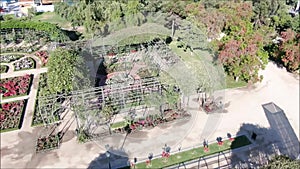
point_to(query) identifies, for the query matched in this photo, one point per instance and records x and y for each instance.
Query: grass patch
(3, 68)
(52, 17)
(196, 153)
(231, 83)
(184, 55)
(141, 38)
(117, 125)
(9, 129)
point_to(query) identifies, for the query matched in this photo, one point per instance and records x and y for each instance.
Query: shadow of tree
(117, 159)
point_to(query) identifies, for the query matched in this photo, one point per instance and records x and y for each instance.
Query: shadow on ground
(112, 159)
(279, 139)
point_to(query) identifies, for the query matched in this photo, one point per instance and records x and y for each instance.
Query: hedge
(55, 33)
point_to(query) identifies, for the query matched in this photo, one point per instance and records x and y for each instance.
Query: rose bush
(15, 86)
(10, 114)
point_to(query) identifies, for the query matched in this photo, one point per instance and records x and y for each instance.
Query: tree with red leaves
(241, 51)
(289, 50)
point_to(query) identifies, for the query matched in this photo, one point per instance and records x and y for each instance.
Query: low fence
(199, 145)
(44, 8)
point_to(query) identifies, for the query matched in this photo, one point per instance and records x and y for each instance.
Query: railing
(199, 145)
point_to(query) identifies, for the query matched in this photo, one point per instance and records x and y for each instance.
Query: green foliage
(141, 38)
(31, 12)
(241, 51)
(8, 17)
(55, 33)
(176, 7)
(191, 37)
(66, 71)
(171, 97)
(98, 16)
(282, 162)
(295, 23)
(82, 136)
(107, 112)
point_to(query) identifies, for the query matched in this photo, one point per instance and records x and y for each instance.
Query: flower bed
(15, 86)
(26, 63)
(148, 122)
(43, 55)
(48, 142)
(11, 115)
(10, 58)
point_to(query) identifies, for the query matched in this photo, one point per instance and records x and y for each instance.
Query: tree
(211, 19)
(176, 7)
(241, 51)
(282, 162)
(288, 50)
(31, 12)
(66, 71)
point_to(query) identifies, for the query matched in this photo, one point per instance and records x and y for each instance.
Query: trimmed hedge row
(55, 33)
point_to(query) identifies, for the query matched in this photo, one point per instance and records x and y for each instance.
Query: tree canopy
(249, 27)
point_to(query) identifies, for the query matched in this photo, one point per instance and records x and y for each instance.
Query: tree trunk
(109, 128)
(237, 78)
(173, 29)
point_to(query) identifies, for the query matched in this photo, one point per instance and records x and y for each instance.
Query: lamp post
(108, 156)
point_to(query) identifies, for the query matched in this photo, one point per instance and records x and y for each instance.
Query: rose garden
(131, 87)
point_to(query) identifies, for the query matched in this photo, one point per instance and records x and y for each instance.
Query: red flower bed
(111, 54)
(15, 86)
(43, 55)
(10, 114)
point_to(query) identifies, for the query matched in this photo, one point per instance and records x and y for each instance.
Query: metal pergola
(119, 95)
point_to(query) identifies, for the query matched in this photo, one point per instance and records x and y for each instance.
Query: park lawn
(196, 153)
(52, 17)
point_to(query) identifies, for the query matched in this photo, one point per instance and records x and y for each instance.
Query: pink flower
(6, 106)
